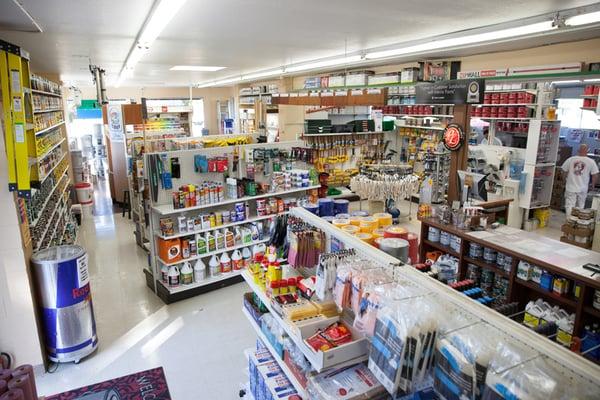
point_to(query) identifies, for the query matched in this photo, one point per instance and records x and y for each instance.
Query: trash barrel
(63, 286)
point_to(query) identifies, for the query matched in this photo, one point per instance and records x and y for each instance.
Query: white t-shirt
(578, 171)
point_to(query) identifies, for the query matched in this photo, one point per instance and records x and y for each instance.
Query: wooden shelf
(592, 311)
(492, 267)
(565, 301)
(440, 247)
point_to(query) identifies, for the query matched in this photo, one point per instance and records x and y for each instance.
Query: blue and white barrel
(63, 286)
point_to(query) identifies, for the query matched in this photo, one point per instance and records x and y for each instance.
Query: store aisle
(199, 342)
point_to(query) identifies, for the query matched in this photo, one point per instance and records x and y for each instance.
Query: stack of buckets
(377, 230)
(85, 197)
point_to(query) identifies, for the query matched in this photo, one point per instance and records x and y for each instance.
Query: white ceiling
(243, 35)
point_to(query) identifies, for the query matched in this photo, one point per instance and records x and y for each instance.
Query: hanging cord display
(327, 270)
(382, 186)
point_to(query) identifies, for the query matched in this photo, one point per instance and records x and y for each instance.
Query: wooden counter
(560, 259)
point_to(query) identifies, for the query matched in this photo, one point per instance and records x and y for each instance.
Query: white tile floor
(199, 342)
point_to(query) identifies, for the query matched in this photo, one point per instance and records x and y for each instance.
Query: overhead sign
(115, 121)
(454, 137)
(463, 91)
(521, 71)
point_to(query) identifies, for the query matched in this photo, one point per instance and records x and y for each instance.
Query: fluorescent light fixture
(228, 80)
(592, 80)
(583, 19)
(158, 20)
(264, 74)
(135, 56)
(325, 63)
(199, 68)
(567, 82)
(465, 40)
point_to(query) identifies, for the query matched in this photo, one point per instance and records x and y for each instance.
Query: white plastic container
(85, 193)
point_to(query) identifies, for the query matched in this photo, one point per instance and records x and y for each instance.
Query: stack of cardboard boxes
(557, 201)
(579, 228)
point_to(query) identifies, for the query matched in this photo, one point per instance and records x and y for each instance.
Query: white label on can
(83, 277)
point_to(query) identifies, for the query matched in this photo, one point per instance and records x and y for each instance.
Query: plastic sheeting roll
(397, 248)
(312, 207)
(339, 222)
(384, 219)
(413, 247)
(365, 237)
(340, 206)
(326, 207)
(395, 231)
(351, 229)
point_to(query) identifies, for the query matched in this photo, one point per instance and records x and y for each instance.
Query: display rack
(569, 363)
(161, 207)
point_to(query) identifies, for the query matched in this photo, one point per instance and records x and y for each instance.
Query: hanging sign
(462, 91)
(454, 137)
(115, 121)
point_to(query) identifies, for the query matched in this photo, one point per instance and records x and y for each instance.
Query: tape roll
(368, 224)
(312, 207)
(343, 216)
(395, 231)
(378, 233)
(351, 229)
(359, 213)
(341, 206)
(384, 219)
(395, 247)
(326, 207)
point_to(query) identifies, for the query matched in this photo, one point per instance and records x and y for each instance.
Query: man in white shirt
(486, 138)
(578, 169)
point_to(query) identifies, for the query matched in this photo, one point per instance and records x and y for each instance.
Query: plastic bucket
(84, 193)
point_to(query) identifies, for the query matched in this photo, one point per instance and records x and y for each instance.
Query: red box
(295, 370)
(493, 112)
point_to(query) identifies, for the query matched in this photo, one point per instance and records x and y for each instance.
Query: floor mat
(150, 384)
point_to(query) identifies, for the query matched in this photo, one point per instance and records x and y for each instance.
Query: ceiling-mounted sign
(522, 71)
(462, 91)
(454, 137)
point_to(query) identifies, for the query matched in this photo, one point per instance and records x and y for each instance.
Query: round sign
(453, 137)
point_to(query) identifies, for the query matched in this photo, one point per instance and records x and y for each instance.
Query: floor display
(211, 208)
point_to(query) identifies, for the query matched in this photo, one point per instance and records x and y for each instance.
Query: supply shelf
(213, 253)
(49, 128)
(208, 281)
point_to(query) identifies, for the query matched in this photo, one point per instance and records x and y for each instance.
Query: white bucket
(85, 193)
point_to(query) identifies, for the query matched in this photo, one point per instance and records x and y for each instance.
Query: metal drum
(63, 286)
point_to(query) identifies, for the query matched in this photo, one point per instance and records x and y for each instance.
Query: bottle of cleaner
(237, 237)
(210, 240)
(220, 240)
(173, 276)
(254, 232)
(164, 273)
(246, 257)
(199, 271)
(187, 274)
(185, 249)
(214, 266)
(258, 249)
(236, 260)
(201, 244)
(225, 263)
(229, 239)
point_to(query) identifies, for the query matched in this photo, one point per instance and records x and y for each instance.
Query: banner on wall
(115, 121)
(521, 71)
(463, 91)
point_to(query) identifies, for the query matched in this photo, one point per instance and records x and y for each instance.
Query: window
(572, 116)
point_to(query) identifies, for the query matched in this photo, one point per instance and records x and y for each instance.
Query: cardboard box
(583, 232)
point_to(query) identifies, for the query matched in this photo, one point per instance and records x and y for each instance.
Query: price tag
(341, 93)
(373, 91)
(356, 92)
(303, 94)
(327, 93)
(275, 95)
(293, 94)
(284, 95)
(314, 94)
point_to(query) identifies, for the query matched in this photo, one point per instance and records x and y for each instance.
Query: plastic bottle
(164, 273)
(220, 240)
(173, 276)
(210, 240)
(187, 274)
(214, 266)
(185, 249)
(237, 237)
(254, 232)
(199, 271)
(225, 263)
(236, 260)
(258, 249)
(246, 257)
(229, 239)
(201, 245)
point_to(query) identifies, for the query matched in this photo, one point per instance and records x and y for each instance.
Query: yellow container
(351, 229)
(340, 222)
(383, 219)
(377, 233)
(368, 224)
(365, 237)
(355, 221)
